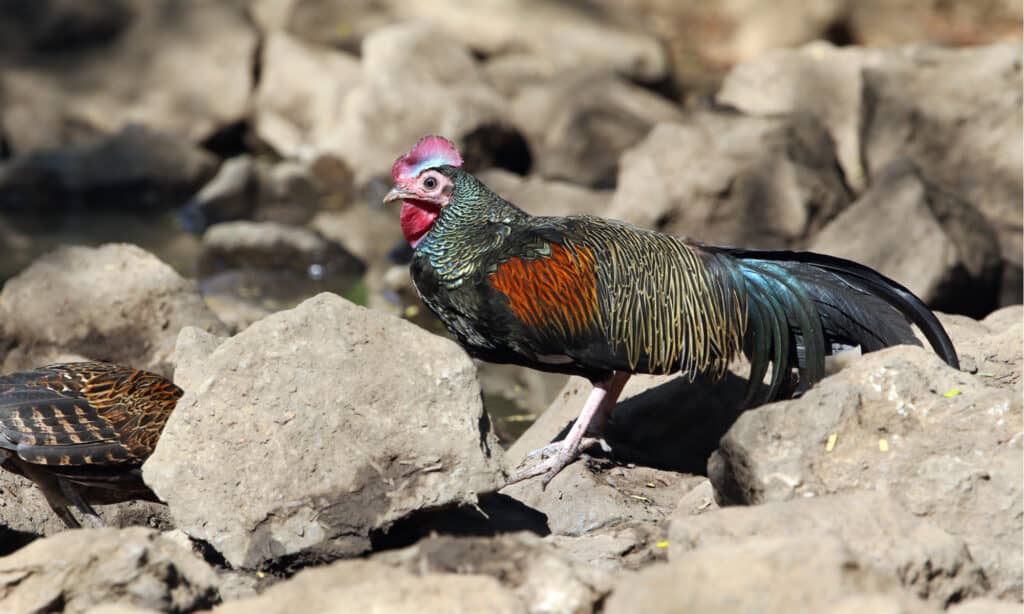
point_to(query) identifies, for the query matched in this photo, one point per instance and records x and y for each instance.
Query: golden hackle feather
(662, 306)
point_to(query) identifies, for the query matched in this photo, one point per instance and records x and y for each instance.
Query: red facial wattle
(417, 217)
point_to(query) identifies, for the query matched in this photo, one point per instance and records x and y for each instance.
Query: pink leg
(592, 419)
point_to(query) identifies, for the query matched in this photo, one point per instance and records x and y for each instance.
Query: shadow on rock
(11, 540)
(495, 514)
(675, 425)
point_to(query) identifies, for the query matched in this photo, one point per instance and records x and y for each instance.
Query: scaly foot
(549, 467)
(557, 456)
(587, 443)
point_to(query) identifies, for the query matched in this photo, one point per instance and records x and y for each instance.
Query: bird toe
(558, 457)
(586, 444)
(93, 521)
(546, 452)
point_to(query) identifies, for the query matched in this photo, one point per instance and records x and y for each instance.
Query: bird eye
(430, 183)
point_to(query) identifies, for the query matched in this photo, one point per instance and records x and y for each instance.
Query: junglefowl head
(422, 186)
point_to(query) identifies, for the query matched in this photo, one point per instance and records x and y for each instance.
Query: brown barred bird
(81, 432)
(603, 299)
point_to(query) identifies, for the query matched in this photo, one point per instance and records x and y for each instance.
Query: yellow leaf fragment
(662, 544)
(831, 443)
(342, 29)
(883, 444)
(949, 394)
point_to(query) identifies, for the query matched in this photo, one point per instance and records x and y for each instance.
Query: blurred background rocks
(734, 122)
(244, 147)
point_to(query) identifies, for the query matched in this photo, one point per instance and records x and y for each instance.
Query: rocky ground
(334, 451)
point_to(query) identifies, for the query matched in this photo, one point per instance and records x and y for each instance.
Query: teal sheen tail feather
(804, 305)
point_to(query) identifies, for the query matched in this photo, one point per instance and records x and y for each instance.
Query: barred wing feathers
(83, 414)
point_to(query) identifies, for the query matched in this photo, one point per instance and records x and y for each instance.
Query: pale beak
(397, 193)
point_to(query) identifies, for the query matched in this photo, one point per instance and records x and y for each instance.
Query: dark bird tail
(802, 306)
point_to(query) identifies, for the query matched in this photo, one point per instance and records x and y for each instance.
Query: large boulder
(944, 444)
(771, 575)
(578, 122)
(415, 81)
(949, 256)
(155, 66)
(331, 423)
(876, 530)
(76, 570)
(820, 79)
(116, 303)
(926, 107)
(722, 177)
(301, 93)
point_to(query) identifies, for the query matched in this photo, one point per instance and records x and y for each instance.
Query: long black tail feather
(802, 304)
